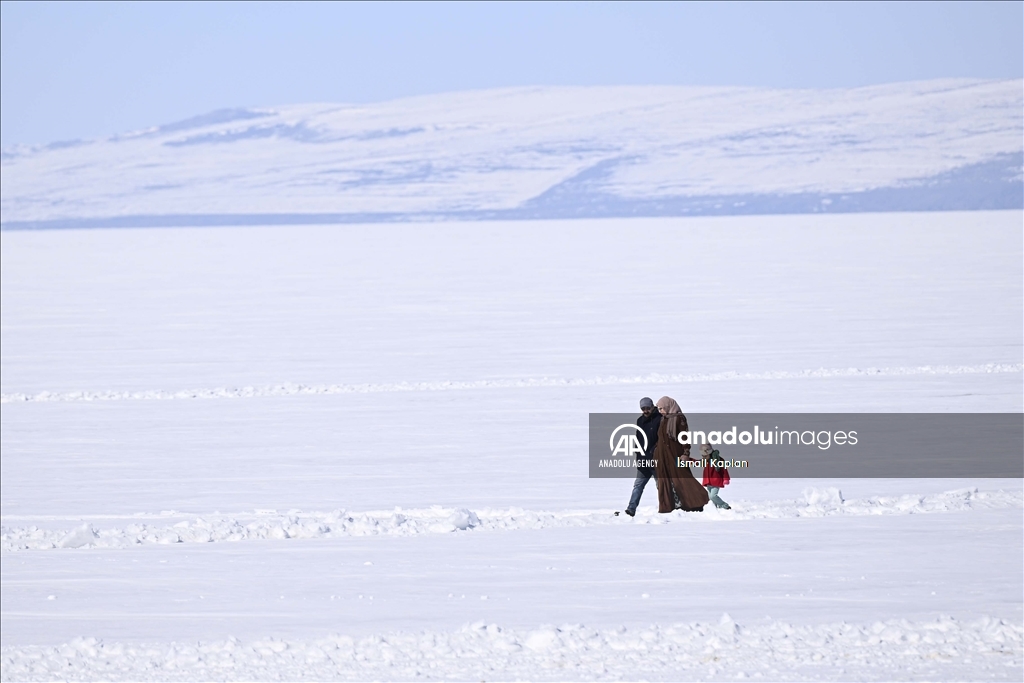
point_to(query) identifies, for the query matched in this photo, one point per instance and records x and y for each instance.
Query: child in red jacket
(714, 477)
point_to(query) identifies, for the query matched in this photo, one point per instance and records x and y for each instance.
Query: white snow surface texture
(543, 149)
(721, 650)
(358, 452)
(263, 524)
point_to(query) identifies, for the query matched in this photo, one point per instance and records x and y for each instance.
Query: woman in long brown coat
(677, 488)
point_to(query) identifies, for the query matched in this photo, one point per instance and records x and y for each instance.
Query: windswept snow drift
(942, 649)
(327, 389)
(541, 153)
(268, 524)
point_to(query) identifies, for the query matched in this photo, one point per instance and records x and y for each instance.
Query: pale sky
(86, 70)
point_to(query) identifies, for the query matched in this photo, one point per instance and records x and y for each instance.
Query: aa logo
(628, 445)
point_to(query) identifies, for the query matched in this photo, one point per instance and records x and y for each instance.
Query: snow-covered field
(547, 152)
(359, 452)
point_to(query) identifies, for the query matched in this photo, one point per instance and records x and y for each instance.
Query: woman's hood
(669, 405)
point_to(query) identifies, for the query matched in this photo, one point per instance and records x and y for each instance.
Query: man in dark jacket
(649, 423)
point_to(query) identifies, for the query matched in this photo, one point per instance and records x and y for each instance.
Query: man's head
(646, 406)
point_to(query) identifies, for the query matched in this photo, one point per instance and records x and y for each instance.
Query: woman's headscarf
(673, 419)
(669, 405)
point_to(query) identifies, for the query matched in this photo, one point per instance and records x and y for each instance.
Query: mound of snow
(826, 497)
(262, 525)
(943, 649)
(464, 519)
(77, 538)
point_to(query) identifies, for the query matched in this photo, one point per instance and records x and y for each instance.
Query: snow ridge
(943, 649)
(295, 524)
(453, 385)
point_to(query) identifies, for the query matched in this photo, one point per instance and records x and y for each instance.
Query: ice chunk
(826, 497)
(463, 519)
(78, 538)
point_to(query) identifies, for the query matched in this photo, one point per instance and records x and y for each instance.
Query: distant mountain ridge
(558, 152)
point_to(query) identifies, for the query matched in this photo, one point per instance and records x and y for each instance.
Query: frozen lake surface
(351, 452)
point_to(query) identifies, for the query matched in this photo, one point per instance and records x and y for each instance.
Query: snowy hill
(541, 153)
